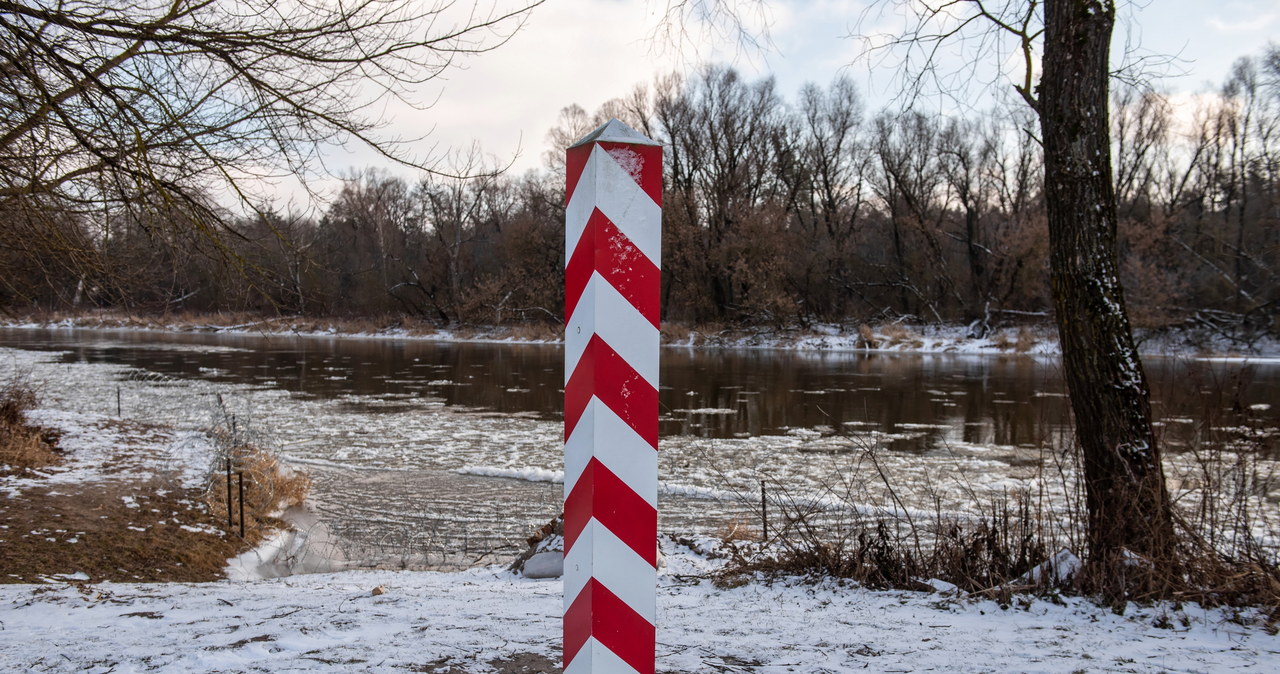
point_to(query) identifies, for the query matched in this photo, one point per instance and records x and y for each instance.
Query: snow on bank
(428, 620)
(96, 448)
(1033, 340)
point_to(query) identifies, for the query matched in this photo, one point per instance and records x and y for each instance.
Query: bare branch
(103, 98)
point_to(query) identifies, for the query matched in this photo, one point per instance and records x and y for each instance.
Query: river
(447, 453)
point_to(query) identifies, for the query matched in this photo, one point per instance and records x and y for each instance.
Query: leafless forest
(778, 211)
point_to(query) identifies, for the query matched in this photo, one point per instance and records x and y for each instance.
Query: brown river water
(434, 453)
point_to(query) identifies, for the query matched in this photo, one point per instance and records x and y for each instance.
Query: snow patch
(527, 473)
(326, 622)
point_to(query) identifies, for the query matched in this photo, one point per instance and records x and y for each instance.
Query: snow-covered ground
(475, 620)
(90, 441)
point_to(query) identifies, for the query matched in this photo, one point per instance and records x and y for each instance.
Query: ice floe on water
(407, 470)
(528, 474)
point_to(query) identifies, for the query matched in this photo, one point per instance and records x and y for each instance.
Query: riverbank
(1032, 338)
(491, 620)
(109, 499)
(121, 501)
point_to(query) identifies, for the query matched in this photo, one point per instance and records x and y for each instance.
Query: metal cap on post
(613, 246)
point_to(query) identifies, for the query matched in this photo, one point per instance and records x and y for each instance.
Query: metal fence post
(230, 512)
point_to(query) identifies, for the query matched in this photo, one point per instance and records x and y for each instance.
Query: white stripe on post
(613, 245)
(619, 324)
(628, 456)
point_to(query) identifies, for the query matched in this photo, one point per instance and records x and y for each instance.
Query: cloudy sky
(588, 51)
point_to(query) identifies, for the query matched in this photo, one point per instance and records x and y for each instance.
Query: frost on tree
(1127, 501)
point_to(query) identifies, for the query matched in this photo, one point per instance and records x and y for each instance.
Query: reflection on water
(1001, 400)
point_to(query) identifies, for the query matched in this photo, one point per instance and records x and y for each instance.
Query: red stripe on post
(613, 503)
(575, 161)
(597, 612)
(603, 248)
(602, 373)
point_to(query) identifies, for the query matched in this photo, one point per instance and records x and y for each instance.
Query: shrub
(1227, 552)
(269, 486)
(23, 447)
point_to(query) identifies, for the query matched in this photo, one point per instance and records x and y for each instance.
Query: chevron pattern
(613, 244)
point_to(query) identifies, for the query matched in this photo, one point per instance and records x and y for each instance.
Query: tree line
(777, 212)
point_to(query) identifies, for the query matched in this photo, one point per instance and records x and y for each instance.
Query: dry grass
(888, 550)
(23, 447)
(738, 530)
(1226, 554)
(23, 451)
(698, 334)
(166, 536)
(1023, 341)
(1026, 341)
(535, 332)
(16, 399)
(896, 334)
(867, 337)
(267, 485)
(677, 333)
(1002, 341)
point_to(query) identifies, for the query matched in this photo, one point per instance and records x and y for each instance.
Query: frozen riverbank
(1032, 339)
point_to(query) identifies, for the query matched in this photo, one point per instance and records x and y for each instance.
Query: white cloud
(589, 51)
(1249, 24)
(507, 99)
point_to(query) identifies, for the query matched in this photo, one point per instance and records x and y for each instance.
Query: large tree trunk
(1125, 491)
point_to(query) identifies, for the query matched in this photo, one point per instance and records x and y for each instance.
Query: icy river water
(450, 453)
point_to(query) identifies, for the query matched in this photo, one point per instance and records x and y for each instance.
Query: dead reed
(862, 529)
(248, 486)
(23, 447)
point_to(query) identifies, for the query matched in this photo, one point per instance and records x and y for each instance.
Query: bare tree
(1140, 126)
(1127, 501)
(827, 184)
(574, 123)
(1128, 505)
(453, 211)
(963, 154)
(910, 182)
(103, 99)
(723, 137)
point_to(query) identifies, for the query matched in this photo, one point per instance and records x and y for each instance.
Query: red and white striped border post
(613, 242)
